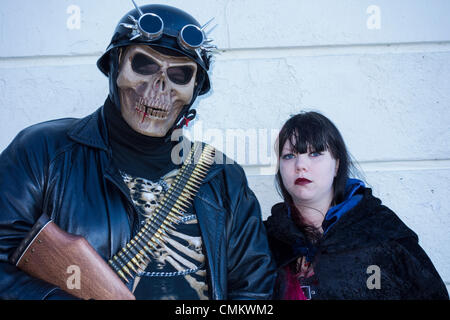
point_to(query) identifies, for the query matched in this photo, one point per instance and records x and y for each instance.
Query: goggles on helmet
(150, 27)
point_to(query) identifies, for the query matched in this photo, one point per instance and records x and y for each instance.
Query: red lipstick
(302, 181)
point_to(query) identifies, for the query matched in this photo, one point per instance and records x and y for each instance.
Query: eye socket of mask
(180, 75)
(145, 65)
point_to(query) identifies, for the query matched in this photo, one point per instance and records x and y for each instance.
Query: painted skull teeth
(152, 108)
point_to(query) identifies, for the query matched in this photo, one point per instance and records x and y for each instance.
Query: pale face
(153, 89)
(308, 177)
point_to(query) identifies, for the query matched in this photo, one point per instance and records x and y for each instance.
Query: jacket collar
(92, 131)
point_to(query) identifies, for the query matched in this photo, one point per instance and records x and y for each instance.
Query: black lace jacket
(368, 237)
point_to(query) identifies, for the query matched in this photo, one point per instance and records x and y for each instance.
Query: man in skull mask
(103, 176)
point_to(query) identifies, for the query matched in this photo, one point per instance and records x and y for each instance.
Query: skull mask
(153, 88)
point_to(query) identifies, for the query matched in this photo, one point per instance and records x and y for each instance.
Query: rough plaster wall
(386, 89)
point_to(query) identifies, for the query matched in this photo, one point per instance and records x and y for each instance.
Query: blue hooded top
(353, 194)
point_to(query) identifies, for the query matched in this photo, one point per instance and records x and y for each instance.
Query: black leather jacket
(63, 168)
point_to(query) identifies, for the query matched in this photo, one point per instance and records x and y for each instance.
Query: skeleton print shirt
(177, 269)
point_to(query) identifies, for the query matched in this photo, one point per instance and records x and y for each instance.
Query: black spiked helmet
(174, 21)
(160, 26)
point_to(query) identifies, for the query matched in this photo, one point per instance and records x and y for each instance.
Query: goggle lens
(192, 36)
(151, 25)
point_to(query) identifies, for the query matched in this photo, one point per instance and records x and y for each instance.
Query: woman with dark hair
(331, 238)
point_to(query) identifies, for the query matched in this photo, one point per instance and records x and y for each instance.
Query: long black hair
(313, 131)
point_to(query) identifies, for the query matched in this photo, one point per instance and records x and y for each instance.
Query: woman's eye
(288, 156)
(144, 65)
(315, 154)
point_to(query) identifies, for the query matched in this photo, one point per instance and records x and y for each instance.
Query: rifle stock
(50, 253)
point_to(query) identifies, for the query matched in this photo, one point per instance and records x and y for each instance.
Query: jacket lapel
(211, 219)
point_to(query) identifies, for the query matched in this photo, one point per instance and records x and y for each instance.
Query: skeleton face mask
(153, 88)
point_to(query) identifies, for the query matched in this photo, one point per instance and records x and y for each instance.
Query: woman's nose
(301, 163)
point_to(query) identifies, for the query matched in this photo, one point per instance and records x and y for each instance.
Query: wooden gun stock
(51, 253)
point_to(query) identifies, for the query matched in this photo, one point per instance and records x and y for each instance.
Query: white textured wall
(387, 89)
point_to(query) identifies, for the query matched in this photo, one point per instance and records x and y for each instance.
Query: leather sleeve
(22, 170)
(251, 268)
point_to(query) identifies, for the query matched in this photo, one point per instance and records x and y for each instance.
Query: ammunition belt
(132, 259)
(171, 274)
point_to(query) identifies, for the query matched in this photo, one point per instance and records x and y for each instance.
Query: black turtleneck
(134, 153)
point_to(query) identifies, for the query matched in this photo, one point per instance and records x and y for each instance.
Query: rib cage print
(176, 269)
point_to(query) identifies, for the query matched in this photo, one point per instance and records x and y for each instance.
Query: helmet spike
(128, 26)
(211, 29)
(207, 23)
(135, 37)
(132, 18)
(138, 9)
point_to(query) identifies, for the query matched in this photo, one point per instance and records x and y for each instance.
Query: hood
(353, 194)
(368, 224)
